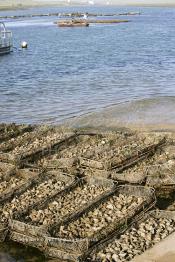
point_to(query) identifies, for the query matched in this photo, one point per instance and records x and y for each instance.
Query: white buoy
(24, 44)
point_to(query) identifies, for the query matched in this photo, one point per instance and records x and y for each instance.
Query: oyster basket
(98, 181)
(132, 178)
(119, 166)
(34, 235)
(19, 230)
(89, 172)
(139, 219)
(29, 157)
(29, 176)
(45, 150)
(69, 180)
(26, 137)
(107, 183)
(66, 248)
(3, 232)
(154, 176)
(6, 170)
(11, 131)
(2, 127)
(65, 162)
(61, 163)
(162, 178)
(27, 235)
(76, 182)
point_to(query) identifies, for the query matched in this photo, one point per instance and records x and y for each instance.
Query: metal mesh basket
(40, 231)
(132, 178)
(67, 179)
(62, 160)
(30, 178)
(98, 182)
(61, 255)
(24, 138)
(26, 229)
(6, 170)
(34, 233)
(37, 242)
(143, 217)
(32, 155)
(160, 175)
(120, 165)
(12, 130)
(90, 172)
(61, 163)
(27, 176)
(3, 232)
(19, 228)
(78, 246)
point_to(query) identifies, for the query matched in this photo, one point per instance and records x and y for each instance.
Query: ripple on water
(72, 71)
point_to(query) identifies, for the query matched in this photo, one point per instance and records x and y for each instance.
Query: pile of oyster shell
(167, 153)
(123, 149)
(115, 208)
(136, 240)
(6, 170)
(25, 138)
(40, 137)
(162, 162)
(100, 145)
(7, 130)
(39, 142)
(37, 194)
(113, 146)
(10, 184)
(64, 205)
(82, 144)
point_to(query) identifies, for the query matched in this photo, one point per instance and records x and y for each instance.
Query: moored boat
(73, 23)
(6, 43)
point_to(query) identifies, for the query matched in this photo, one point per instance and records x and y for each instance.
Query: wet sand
(168, 257)
(143, 115)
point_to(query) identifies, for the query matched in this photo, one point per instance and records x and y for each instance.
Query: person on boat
(85, 16)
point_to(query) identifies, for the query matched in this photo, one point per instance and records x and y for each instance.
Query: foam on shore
(156, 114)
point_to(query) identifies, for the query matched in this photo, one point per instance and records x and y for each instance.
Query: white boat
(6, 41)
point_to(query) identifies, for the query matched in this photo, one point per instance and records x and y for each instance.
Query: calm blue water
(67, 72)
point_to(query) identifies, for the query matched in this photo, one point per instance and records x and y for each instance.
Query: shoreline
(145, 115)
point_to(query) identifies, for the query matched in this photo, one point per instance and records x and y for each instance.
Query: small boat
(6, 43)
(73, 23)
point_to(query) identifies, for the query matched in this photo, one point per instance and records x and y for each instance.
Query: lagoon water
(69, 72)
(120, 72)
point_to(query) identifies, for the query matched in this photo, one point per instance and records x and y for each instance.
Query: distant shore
(25, 6)
(28, 4)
